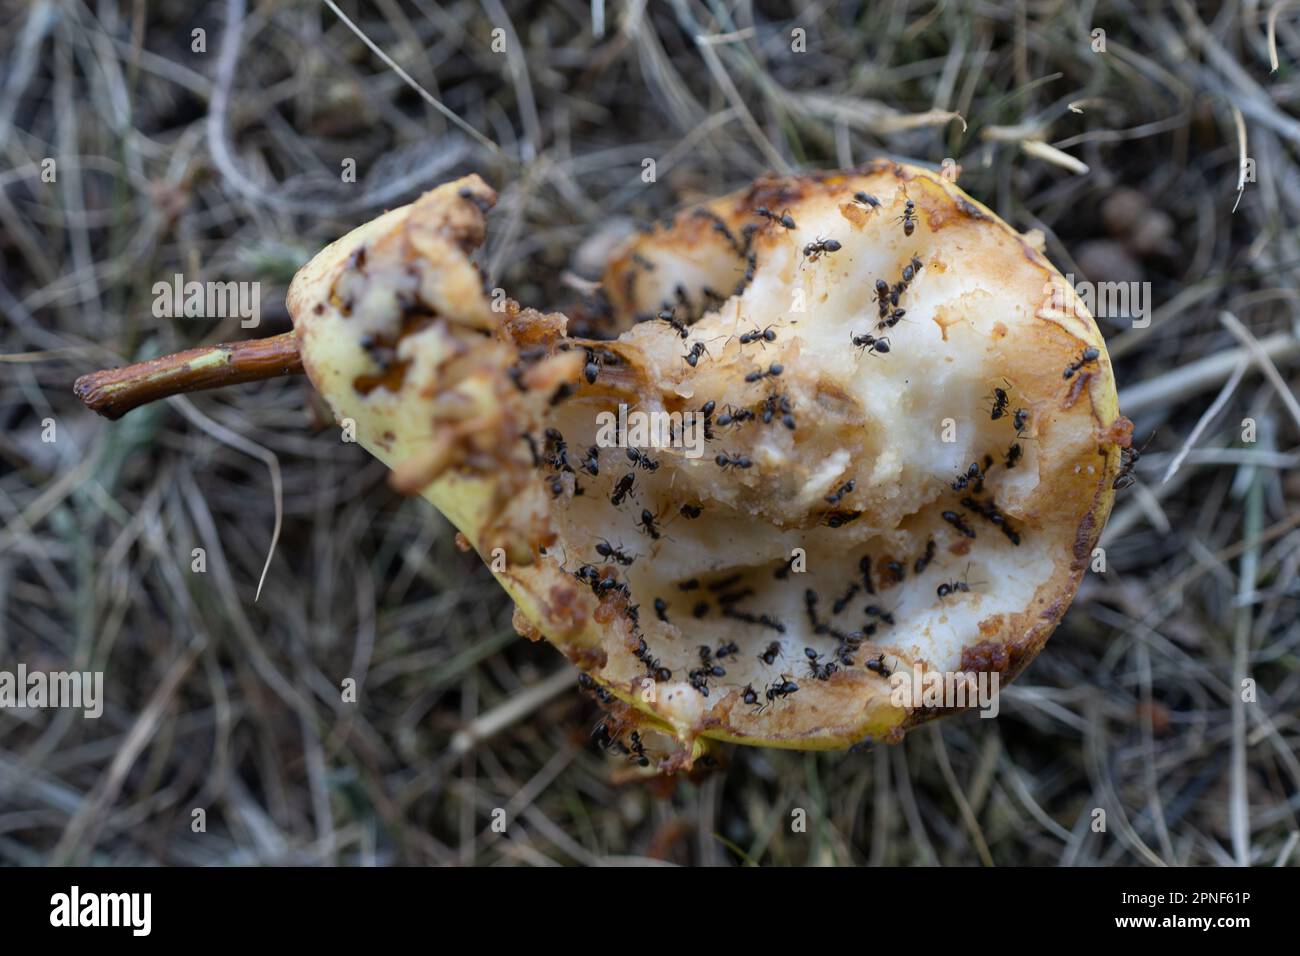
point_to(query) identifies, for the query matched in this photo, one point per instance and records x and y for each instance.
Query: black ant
(924, 560)
(734, 416)
(1020, 420)
(866, 199)
(729, 649)
(1013, 454)
(814, 250)
(781, 688)
(1090, 354)
(661, 609)
(784, 219)
(892, 319)
(591, 463)
(973, 476)
(1000, 400)
(816, 668)
(954, 519)
(842, 602)
(870, 343)
(622, 489)
(878, 612)
(639, 458)
(877, 665)
(864, 565)
(883, 296)
(691, 511)
(693, 356)
(676, 323)
(611, 553)
(647, 524)
(732, 461)
(844, 489)
(773, 371)
(838, 519)
(908, 218)
(911, 269)
(770, 407)
(990, 513)
(952, 587)
(766, 335)
(770, 655)
(750, 696)
(592, 369)
(1128, 457)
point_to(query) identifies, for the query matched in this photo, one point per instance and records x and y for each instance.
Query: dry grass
(225, 165)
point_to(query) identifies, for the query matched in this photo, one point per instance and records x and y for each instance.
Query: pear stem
(114, 392)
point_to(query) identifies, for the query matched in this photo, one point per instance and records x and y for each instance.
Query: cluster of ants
(777, 407)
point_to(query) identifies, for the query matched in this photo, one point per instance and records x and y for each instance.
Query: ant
(676, 323)
(866, 199)
(691, 511)
(591, 463)
(1090, 354)
(750, 696)
(954, 519)
(870, 343)
(814, 250)
(973, 476)
(990, 513)
(766, 335)
(781, 688)
(611, 553)
(592, 368)
(844, 489)
(1013, 454)
(908, 218)
(1128, 458)
(661, 609)
(773, 371)
(911, 269)
(737, 461)
(876, 611)
(647, 524)
(951, 587)
(770, 407)
(693, 356)
(622, 489)
(734, 416)
(816, 668)
(639, 458)
(864, 565)
(784, 219)
(1000, 400)
(838, 519)
(877, 665)
(769, 656)
(729, 649)
(892, 319)
(924, 560)
(1020, 420)
(883, 296)
(843, 602)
